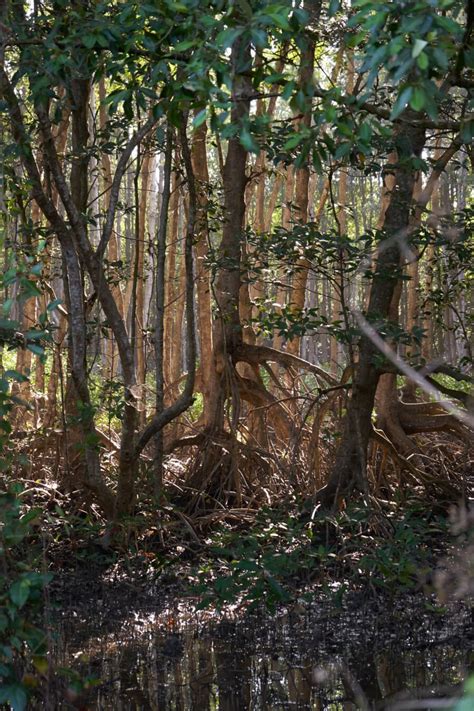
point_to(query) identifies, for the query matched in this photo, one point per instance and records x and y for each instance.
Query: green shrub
(23, 643)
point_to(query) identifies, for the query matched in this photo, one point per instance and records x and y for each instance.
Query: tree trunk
(228, 330)
(81, 441)
(208, 373)
(305, 82)
(350, 466)
(140, 285)
(113, 251)
(160, 312)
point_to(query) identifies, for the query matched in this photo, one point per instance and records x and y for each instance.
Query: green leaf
(248, 141)
(440, 57)
(276, 588)
(31, 515)
(279, 19)
(259, 37)
(15, 375)
(451, 27)
(418, 99)
(20, 592)
(293, 141)
(274, 78)
(7, 306)
(418, 47)
(53, 304)
(249, 565)
(35, 335)
(184, 45)
(89, 41)
(102, 41)
(16, 696)
(365, 132)
(423, 61)
(245, 8)
(226, 38)
(36, 269)
(342, 150)
(35, 348)
(401, 102)
(178, 7)
(200, 118)
(288, 90)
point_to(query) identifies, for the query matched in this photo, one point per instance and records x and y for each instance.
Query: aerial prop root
(225, 468)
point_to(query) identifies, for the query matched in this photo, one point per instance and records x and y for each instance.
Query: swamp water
(367, 654)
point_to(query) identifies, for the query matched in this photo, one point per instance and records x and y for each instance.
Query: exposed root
(227, 472)
(436, 423)
(415, 409)
(263, 354)
(322, 410)
(259, 397)
(417, 476)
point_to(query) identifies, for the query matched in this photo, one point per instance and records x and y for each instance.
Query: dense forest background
(210, 218)
(236, 247)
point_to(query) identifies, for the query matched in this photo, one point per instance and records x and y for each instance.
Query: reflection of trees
(235, 668)
(201, 674)
(233, 671)
(299, 686)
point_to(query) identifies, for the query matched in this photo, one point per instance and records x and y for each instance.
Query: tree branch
(163, 418)
(259, 354)
(116, 182)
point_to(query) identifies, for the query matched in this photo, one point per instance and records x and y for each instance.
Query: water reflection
(289, 662)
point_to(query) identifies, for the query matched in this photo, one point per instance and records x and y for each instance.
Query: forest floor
(356, 593)
(278, 583)
(275, 558)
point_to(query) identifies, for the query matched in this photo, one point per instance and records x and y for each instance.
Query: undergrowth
(272, 556)
(280, 555)
(23, 638)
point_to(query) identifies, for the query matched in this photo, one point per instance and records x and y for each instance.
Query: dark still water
(366, 655)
